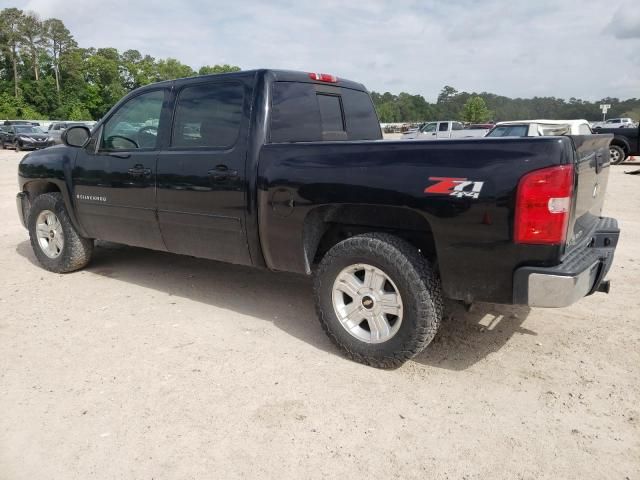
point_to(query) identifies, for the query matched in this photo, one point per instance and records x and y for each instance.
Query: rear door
(443, 130)
(201, 189)
(592, 162)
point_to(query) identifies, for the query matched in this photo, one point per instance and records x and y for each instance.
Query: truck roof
(275, 76)
(548, 122)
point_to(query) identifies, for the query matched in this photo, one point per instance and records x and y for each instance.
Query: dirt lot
(150, 365)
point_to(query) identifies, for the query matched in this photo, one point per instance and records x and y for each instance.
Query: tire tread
(419, 274)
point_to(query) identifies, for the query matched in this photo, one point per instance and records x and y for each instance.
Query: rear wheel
(617, 154)
(54, 240)
(378, 299)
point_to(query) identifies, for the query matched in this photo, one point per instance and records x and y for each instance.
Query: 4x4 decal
(455, 187)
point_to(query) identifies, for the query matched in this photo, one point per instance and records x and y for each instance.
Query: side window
(429, 127)
(135, 124)
(443, 127)
(457, 126)
(208, 116)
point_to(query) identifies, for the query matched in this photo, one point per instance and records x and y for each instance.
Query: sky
(587, 49)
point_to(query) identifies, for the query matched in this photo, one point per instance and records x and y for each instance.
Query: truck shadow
(467, 337)
(286, 300)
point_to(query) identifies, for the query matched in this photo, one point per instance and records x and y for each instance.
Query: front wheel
(56, 243)
(378, 299)
(617, 154)
(17, 146)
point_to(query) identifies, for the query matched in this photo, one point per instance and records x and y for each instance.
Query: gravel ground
(151, 365)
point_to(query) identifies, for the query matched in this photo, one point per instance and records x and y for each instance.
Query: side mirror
(76, 136)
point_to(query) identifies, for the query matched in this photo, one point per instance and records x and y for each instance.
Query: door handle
(222, 173)
(139, 171)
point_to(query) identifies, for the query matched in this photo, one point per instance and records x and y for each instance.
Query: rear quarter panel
(475, 253)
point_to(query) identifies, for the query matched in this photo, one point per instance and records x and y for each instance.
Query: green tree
(59, 41)
(208, 69)
(11, 37)
(170, 69)
(31, 30)
(475, 110)
(13, 107)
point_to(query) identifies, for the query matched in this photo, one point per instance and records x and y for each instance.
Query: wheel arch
(622, 143)
(326, 226)
(36, 187)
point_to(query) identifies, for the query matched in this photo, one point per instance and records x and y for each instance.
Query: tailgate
(592, 169)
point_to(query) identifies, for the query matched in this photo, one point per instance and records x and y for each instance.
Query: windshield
(509, 131)
(27, 129)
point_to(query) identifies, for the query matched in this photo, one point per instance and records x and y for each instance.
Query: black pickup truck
(288, 171)
(625, 142)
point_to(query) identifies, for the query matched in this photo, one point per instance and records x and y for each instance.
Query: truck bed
(472, 237)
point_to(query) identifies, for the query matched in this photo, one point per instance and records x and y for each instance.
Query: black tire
(617, 154)
(76, 251)
(4, 145)
(17, 146)
(416, 282)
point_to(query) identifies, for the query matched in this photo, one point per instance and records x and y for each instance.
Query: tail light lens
(323, 77)
(543, 206)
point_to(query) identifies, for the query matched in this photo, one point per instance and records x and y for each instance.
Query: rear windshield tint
(509, 131)
(303, 112)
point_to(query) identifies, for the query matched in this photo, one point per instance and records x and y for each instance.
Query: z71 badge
(455, 187)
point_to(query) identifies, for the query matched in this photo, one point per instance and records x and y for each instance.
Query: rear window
(509, 131)
(306, 112)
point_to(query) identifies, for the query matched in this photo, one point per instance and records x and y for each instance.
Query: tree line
(479, 107)
(45, 74)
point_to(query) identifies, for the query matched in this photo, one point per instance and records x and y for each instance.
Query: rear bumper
(579, 275)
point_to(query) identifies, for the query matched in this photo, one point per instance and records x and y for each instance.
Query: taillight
(323, 77)
(543, 206)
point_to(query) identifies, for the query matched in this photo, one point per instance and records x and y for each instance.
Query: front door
(114, 176)
(201, 172)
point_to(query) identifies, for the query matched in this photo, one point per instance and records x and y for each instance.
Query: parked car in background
(56, 129)
(443, 130)
(624, 122)
(625, 143)
(540, 128)
(24, 137)
(20, 122)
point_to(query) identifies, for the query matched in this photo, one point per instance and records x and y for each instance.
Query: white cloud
(625, 23)
(562, 49)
